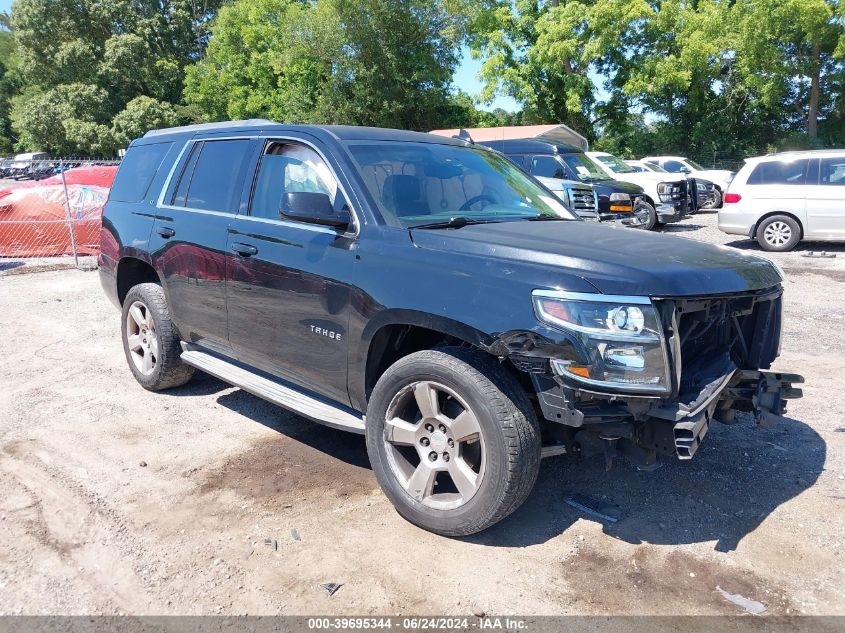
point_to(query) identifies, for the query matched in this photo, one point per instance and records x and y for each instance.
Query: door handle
(244, 250)
(165, 231)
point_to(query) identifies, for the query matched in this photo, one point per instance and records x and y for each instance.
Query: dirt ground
(208, 500)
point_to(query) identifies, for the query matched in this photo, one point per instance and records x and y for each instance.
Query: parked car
(554, 154)
(782, 199)
(553, 161)
(19, 169)
(427, 293)
(679, 165)
(5, 167)
(708, 197)
(670, 197)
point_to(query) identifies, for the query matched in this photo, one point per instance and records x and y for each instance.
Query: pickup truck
(670, 195)
(550, 160)
(721, 178)
(427, 293)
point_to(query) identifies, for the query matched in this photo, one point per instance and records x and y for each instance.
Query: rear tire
(778, 233)
(453, 440)
(150, 341)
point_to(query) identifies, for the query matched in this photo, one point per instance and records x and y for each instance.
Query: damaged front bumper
(762, 393)
(645, 428)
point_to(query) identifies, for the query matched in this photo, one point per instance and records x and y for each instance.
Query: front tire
(715, 203)
(779, 233)
(453, 440)
(150, 341)
(644, 209)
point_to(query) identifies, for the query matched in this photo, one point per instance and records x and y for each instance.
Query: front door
(288, 282)
(826, 201)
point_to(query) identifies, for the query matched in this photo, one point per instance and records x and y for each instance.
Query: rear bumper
(735, 222)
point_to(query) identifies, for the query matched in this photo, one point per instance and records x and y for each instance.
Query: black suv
(429, 294)
(556, 159)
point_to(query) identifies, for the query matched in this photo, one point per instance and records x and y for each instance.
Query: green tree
(513, 39)
(375, 62)
(116, 49)
(10, 85)
(732, 76)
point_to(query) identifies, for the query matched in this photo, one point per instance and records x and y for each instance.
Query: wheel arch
(770, 214)
(396, 333)
(132, 271)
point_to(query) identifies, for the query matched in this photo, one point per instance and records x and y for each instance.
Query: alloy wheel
(777, 233)
(141, 338)
(434, 445)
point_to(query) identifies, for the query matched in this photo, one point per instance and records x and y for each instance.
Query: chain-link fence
(51, 209)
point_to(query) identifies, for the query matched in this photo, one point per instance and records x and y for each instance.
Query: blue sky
(465, 78)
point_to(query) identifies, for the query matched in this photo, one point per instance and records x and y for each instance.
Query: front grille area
(716, 335)
(582, 200)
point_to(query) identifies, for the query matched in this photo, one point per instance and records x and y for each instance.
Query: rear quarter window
(777, 172)
(137, 170)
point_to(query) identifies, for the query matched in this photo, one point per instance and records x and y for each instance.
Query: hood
(557, 184)
(607, 187)
(614, 260)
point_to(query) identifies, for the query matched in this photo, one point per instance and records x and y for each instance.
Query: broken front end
(649, 376)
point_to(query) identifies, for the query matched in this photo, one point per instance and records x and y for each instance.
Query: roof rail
(201, 127)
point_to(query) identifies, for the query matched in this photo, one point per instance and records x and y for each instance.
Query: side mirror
(313, 207)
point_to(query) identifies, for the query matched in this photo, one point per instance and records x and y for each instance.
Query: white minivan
(784, 198)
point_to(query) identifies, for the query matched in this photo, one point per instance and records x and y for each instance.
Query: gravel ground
(208, 500)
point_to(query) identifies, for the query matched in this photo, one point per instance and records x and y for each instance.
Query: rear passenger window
(833, 171)
(137, 170)
(212, 176)
(779, 172)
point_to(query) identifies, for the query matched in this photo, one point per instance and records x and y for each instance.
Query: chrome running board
(274, 391)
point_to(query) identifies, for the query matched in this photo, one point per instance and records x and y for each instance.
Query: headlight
(622, 338)
(669, 191)
(621, 203)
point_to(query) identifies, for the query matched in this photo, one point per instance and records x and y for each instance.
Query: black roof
(338, 132)
(531, 146)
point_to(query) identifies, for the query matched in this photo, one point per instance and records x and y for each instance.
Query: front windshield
(694, 165)
(617, 165)
(426, 183)
(586, 169)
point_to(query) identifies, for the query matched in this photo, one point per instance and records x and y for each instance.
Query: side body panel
(825, 200)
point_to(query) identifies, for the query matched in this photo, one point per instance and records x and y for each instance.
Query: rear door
(288, 281)
(826, 200)
(188, 241)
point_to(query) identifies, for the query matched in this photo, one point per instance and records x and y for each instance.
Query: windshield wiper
(455, 222)
(547, 218)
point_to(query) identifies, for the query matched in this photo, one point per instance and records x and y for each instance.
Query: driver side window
(289, 168)
(674, 166)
